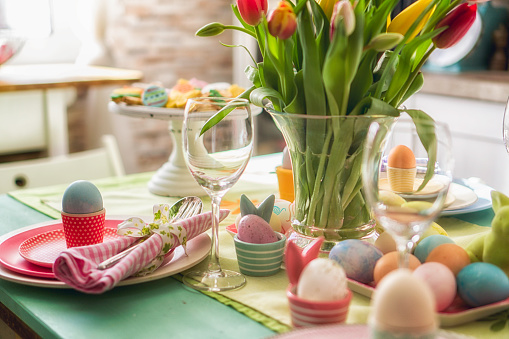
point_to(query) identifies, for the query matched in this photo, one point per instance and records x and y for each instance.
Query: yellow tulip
(327, 6)
(404, 20)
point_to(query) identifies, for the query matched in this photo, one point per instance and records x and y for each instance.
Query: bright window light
(30, 18)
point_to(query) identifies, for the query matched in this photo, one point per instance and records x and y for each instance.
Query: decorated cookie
(154, 96)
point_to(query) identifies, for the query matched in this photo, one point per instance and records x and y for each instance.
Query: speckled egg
(254, 229)
(358, 258)
(322, 280)
(82, 197)
(482, 283)
(427, 245)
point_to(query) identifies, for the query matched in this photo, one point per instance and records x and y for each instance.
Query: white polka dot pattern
(83, 230)
(44, 248)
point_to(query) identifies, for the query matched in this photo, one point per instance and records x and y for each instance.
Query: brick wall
(157, 37)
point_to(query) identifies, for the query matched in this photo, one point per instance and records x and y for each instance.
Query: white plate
(463, 197)
(345, 331)
(159, 113)
(197, 248)
(483, 202)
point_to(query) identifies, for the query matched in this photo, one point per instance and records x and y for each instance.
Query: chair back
(87, 165)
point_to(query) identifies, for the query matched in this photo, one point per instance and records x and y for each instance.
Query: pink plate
(232, 229)
(43, 249)
(9, 250)
(456, 314)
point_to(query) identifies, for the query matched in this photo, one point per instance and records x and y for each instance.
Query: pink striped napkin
(77, 266)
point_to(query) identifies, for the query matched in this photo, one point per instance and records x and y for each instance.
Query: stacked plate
(27, 255)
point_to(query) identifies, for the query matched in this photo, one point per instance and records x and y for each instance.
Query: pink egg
(254, 229)
(441, 280)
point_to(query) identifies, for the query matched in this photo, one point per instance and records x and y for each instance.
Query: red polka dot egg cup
(83, 229)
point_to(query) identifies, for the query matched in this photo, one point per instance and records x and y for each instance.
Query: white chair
(87, 165)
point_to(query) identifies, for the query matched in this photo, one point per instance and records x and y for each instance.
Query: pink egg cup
(83, 229)
(307, 313)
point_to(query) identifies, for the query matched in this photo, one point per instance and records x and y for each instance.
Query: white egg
(283, 210)
(385, 243)
(322, 280)
(275, 222)
(237, 220)
(403, 304)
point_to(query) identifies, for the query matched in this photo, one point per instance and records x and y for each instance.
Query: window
(30, 18)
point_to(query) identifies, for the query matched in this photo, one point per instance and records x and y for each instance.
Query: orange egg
(389, 263)
(401, 157)
(451, 255)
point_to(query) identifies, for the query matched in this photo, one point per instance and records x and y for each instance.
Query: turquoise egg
(426, 245)
(357, 257)
(482, 283)
(82, 197)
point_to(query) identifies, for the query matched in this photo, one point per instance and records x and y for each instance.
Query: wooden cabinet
(473, 106)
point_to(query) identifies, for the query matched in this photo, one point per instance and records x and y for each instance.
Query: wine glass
(506, 126)
(216, 159)
(406, 174)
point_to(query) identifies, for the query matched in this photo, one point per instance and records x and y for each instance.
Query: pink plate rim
(27, 247)
(10, 242)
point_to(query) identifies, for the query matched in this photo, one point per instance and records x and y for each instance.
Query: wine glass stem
(404, 253)
(214, 265)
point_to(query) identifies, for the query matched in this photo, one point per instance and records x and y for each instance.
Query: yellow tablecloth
(263, 298)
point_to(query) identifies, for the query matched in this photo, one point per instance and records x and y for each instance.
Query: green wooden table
(163, 308)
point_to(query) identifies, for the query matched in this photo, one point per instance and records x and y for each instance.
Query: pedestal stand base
(173, 181)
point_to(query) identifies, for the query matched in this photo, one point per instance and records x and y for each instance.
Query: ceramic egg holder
(401, 179)
(306, 313)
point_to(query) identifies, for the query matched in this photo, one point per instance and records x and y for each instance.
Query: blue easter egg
(482, 283)
(82, 197)
(426, 245)
(357, 257)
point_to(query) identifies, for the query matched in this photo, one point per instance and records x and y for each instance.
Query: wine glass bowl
(505, 124)
(407, 171)
(216, 159)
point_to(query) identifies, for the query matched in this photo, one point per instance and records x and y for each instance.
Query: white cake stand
(173, 178)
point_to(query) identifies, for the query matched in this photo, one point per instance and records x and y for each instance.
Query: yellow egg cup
(401, 179)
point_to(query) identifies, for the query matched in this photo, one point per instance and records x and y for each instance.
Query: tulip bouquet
(340, 58)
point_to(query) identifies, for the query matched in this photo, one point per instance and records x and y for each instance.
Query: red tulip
(458, 22)
(342, 14)
(252, 11)
(282, 21)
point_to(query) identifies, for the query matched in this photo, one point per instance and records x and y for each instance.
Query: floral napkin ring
(136, 227)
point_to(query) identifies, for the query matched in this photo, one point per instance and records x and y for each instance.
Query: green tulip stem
(241, 29)
(398, 99)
